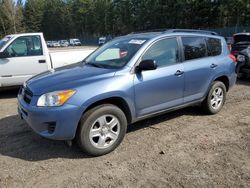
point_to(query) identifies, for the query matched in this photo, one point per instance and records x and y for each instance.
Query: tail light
(233, 58)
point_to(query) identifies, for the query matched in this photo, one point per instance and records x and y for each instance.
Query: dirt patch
(181, 149)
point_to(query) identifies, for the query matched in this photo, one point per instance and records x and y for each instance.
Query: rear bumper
(57, 123)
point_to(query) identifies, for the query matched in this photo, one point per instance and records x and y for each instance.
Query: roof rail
(148, 31)
(191, 31)
(176, 31)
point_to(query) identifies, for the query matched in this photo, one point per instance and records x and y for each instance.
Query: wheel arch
(117, 101)
(224, 79)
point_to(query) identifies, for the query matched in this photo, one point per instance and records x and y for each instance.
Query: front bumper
(57, 123)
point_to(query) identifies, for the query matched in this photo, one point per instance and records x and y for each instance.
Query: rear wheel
(215, 99)
(102, 129)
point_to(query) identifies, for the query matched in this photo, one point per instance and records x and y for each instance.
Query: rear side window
(214, 47)
(194, 47)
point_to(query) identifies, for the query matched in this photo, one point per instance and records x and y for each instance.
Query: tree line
(59, 19)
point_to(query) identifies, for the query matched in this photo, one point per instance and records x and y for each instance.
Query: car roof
(24, 34)
(152, 35)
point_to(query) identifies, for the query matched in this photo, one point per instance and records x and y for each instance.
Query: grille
(27, 95)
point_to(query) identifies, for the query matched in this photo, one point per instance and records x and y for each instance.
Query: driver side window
(164, 52)
(25, 46)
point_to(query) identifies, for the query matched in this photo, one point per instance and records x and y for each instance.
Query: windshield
(76, 40)
(116, 53)
(4, 41)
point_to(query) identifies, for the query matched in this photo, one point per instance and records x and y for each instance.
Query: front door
(160, 89)
(25, 59)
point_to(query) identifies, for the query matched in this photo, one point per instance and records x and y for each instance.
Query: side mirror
(145, 65)
(4, 55)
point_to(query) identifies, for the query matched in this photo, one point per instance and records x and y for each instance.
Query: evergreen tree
(74, 18)
(33, 15)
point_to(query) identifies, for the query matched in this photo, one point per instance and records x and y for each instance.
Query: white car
(75, 42)
(49, 43)
(102, 40)
(25, 55)
(55, 44)
(64, 43)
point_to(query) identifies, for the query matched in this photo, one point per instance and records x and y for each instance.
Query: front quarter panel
(121, 85)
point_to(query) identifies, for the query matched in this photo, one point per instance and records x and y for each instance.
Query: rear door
(25, 59)
(199, 65)
(162, 88)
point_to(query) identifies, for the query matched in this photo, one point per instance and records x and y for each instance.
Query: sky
(22, 1)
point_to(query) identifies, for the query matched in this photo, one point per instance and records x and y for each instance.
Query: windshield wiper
(94, 64)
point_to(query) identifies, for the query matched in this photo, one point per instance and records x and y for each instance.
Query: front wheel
(102, 129)
(215, 99)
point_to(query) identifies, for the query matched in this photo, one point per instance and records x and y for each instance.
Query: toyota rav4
(128, 79)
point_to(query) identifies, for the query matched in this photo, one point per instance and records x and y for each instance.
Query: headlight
(57, 98)
(241, 58)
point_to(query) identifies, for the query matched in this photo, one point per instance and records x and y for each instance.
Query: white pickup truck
(25, 55)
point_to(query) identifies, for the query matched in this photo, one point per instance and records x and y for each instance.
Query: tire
(101, 129)
(215, 98)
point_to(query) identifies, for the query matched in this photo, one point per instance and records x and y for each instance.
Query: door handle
(178, 73)
(213, 66)
(42, 61)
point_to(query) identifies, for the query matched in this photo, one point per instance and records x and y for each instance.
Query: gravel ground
(180, 149)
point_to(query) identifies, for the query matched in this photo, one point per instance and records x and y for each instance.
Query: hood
(242, 39)
(67, 77)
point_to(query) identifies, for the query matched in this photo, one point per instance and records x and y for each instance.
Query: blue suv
(128, 79)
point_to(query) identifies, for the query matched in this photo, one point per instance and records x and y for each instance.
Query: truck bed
(66, 56)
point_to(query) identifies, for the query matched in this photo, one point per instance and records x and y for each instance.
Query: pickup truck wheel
(215, 99)
(101, 129)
